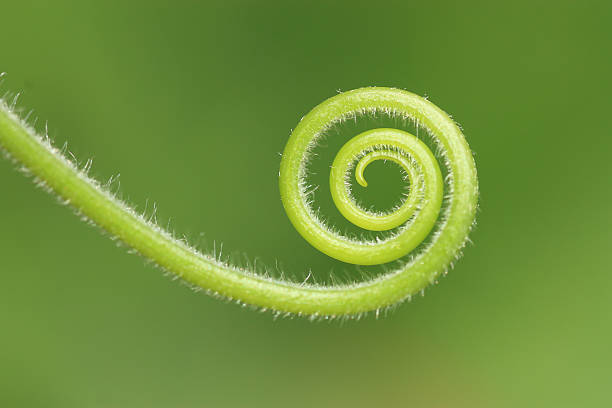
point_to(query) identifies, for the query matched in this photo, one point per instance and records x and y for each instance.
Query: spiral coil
(421, 209)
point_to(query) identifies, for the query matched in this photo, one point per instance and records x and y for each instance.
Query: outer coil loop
(418, 213)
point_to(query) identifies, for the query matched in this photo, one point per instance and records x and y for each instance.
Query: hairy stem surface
(415, 219)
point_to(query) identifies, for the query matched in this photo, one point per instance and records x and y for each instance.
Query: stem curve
(90, 199)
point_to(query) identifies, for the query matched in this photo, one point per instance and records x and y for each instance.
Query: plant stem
(91, 200)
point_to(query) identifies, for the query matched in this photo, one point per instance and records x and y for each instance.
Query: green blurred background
(192, 102)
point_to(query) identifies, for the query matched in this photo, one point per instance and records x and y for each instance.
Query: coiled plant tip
(424, 233)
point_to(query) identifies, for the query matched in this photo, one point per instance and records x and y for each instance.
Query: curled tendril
(421, 215)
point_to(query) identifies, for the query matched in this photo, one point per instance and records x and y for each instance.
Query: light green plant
(421, 215)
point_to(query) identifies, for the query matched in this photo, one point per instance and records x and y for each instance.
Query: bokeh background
(192, 102)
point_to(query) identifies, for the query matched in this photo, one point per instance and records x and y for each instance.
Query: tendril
(431, 223)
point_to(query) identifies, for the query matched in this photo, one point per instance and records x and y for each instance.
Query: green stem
(86, 195)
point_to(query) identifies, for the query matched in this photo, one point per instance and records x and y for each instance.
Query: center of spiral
(393, 145)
